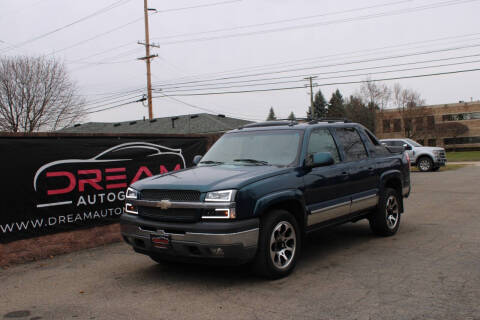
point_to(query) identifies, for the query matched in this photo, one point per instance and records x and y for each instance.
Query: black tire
(264, 264)
(425, 164)
(381, 220)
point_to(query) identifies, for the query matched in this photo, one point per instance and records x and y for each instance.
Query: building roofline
(445, 105)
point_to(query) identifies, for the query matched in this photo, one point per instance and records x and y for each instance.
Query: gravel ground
(429, 270)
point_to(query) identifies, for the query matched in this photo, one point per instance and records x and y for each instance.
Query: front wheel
(425, 164)
(385, 220)
(278, 246)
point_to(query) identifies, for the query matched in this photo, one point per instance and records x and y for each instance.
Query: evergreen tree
(271, 115)
(319, 106)
(336, 106)
(292, 116)
(357, 111)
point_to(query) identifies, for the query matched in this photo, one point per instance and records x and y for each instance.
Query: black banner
(49, 185)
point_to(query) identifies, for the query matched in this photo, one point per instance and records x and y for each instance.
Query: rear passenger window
(322, 141)
(352, 144)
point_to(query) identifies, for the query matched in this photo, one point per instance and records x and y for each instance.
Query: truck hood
(210, 178)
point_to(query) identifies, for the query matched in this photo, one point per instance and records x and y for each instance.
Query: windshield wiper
(211, 162)
(261, 162)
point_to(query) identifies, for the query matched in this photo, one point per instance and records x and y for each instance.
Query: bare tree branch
(36, 94)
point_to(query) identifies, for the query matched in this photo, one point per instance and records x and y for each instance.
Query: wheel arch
(393, 179)
(290, 200)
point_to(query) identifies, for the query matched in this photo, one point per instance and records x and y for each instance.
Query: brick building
(452, 126)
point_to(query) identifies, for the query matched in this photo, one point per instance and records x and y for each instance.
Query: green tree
(336, 106)
(271, 115)
(357, 111)
(291, 116)
(319, 106)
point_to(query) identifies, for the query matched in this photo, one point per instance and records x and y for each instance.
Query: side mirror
(197, 159)
(407, 147)
(319, 159)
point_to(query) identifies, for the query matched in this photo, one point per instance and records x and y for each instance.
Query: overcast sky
(307, 36)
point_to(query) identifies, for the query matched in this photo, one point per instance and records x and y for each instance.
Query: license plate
(160, 241)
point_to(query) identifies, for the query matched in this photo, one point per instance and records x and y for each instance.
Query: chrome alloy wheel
(282, 244)
(424, 165)
(392, 212)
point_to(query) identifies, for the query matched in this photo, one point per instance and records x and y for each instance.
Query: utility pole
(147, 58)
(311, 95)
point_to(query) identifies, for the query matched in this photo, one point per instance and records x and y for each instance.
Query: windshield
(255, 148)
(413, 143)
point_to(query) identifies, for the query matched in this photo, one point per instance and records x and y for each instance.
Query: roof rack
(270, 124)
(329, 120)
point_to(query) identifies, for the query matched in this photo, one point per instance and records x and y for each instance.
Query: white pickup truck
(425, 158)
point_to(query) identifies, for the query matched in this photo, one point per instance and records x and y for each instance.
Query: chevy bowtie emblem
(165, 204)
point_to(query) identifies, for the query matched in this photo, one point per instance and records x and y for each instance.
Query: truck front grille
(442, 155)
(172, 195)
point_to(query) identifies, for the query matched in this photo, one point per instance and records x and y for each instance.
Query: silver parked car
(425, 158)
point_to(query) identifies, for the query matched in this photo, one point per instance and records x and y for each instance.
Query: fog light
(217, 252)
(227, 213)
(130, 208)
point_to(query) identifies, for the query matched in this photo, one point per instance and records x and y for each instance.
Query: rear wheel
(385, 220)
(278, 245)
(425, 164)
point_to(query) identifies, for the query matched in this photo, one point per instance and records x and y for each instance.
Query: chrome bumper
(247, 238)
(228, 241)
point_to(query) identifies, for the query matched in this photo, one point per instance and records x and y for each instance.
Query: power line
(335, 56)
(219, 3)
(365, 17)
(333, 65)
(285, 20)
(139, 19)
(196, 87)
(171, 96)
(324, 84)
(94, 14)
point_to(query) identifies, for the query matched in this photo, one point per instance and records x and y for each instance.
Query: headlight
(131, 194)
(220, 196)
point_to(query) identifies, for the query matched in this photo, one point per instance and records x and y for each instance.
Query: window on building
(322, 141)
(352, 144)
(386, 125)
(461, 140)
(432, 142)
(430, 122)
(419, 123)
(408, 124)
(397, 125)
(461, 116)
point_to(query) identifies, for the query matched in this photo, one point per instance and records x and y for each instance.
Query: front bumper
(234, 241)
(439, 162)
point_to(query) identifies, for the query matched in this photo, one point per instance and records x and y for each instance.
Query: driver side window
(322, 141)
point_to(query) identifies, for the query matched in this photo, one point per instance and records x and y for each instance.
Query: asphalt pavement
(429, 270)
